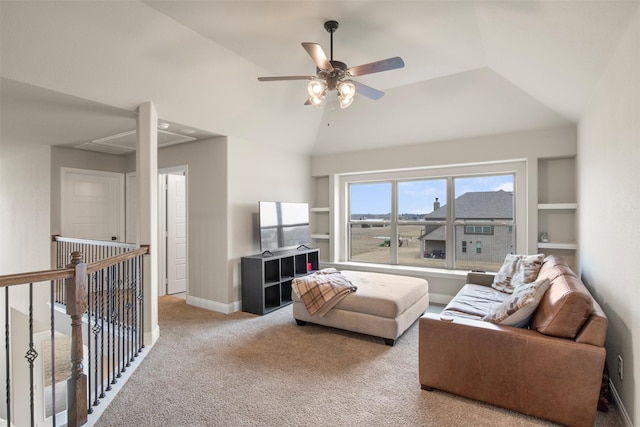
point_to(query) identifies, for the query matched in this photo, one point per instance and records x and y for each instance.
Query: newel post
(76, 289)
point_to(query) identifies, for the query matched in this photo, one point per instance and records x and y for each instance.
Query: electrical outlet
(620, 366)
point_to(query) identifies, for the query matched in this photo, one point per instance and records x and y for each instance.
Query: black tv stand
(266, 281)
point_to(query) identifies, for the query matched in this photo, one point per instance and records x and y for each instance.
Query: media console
(266, 278)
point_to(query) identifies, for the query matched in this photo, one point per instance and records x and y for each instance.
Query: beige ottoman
(384, 305)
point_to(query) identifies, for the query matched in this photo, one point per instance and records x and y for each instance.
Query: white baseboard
(623, 410)
(214, 305)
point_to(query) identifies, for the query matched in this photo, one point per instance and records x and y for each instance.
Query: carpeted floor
(210, 369)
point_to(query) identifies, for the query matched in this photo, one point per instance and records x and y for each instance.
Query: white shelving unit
(556, 209)
(321, 216)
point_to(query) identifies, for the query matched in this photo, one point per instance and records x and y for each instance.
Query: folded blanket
(322, 290)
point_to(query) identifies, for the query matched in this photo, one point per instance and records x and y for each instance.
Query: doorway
(172, 220)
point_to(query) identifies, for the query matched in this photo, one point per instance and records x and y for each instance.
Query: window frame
(517, 168)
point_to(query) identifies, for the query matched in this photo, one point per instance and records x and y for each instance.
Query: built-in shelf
(550, 245)
(319, 209)
(550, 206)
(320, 236)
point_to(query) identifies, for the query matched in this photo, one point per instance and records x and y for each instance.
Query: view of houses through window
(412, 223)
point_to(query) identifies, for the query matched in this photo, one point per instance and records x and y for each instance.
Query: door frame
(162, 226)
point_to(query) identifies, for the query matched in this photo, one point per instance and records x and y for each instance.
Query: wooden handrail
(36, 276)
(99, 265)
(107, 243)
(66, 273)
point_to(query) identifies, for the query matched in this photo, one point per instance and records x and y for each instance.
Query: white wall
(609, 205)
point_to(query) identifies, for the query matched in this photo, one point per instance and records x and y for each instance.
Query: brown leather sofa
(552, 370)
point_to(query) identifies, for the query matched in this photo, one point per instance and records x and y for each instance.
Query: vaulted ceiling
(472, 67)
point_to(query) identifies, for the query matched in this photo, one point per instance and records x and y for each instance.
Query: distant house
(486, 240)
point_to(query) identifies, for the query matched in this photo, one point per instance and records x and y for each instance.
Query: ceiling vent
(125, 142)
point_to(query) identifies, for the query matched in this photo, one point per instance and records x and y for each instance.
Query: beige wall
(257, 172)
(207, 221)
(609, 204)
(528, 146)
(24, 207)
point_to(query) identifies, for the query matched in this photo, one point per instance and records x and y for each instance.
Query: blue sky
(418, 196)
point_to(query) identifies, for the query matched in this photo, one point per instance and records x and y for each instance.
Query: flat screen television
(283, 225)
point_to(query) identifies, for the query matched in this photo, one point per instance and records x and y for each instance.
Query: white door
(176, 234)
(92, 204)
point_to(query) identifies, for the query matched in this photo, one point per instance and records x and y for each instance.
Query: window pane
(370, 201)
(485, 251)
(422, 200)
(370, 242)
(484, 198)
(421, 245)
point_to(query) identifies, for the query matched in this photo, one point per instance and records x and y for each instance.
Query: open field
(366, 246)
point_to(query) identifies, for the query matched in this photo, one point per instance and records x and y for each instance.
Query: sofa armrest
(477, 278)
(515, 368)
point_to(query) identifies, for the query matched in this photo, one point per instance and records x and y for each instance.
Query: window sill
(398, 269)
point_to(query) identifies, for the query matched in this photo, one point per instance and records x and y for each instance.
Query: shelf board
(320, 209)
(550, 245)
(557, 206)
(320, 236)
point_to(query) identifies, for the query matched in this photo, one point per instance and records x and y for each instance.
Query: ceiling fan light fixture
(316, 88)
(316, 101)
(345, 102)
(346, 89)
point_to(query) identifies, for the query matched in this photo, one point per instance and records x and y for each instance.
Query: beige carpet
(209, 369)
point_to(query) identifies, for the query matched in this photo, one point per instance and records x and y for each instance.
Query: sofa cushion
(517, 270)
(517, 309)
(474, 302)
(567, 304)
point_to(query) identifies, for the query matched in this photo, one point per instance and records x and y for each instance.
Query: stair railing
(103, 303)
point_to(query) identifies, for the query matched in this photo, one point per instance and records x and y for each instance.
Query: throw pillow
(528, 269)
(518, 308)
(502, 280)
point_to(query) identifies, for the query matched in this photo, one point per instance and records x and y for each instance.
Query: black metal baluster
(31, 356)
(141, 299)
(103, 314)
(53, 356)
(90, 379)
(96, 331)
(7, 347)
(119, 333)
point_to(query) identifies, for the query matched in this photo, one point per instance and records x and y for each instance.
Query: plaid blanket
(322, 290)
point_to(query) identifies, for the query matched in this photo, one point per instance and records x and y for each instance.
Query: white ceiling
(472, 67)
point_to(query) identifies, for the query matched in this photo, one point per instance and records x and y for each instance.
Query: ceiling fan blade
(367, 91)
(376, 67)
(275, 79)
(317, 54)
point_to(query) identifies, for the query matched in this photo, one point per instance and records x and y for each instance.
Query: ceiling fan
(334, 75)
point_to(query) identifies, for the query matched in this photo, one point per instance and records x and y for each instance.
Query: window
(428, 218)
(478, 229)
